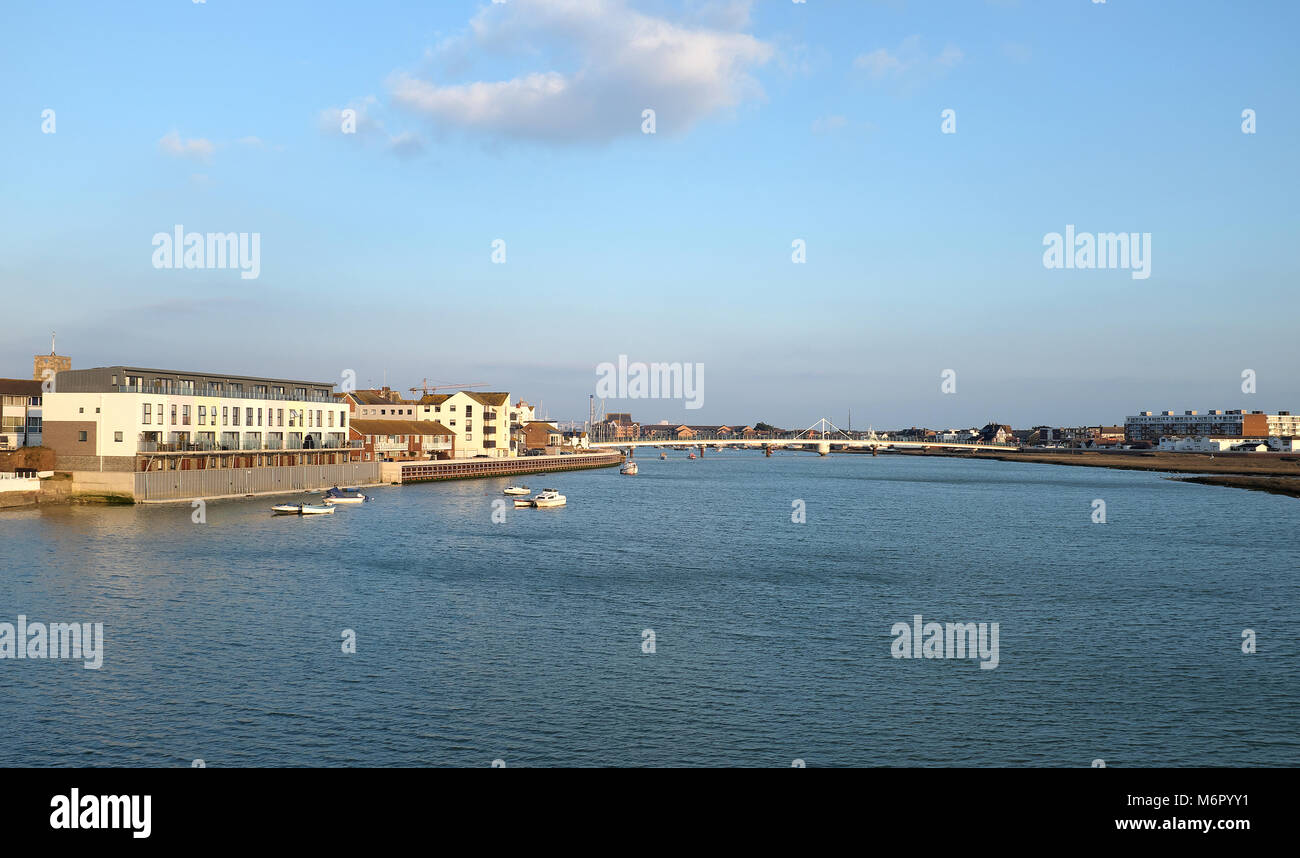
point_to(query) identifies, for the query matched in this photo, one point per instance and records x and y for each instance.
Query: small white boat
(523, 502)
(548, 498)
(301, 509)
(337, 495)
(517, 490)
(629, 468)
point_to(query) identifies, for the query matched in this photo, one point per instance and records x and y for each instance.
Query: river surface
(524, 641)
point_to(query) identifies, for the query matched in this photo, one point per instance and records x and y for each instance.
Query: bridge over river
(820, 437)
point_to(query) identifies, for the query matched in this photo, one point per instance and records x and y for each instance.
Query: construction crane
(427, 388)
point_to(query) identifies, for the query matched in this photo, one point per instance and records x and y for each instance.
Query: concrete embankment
(464, 469)
(52, 490)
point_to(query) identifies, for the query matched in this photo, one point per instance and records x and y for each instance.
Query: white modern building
(125, 418)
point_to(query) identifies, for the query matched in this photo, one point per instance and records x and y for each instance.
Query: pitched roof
(375, 397)
(434, 398)
(495, 399)
(368, 426)
(20, 387)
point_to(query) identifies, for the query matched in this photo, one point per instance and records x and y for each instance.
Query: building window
(203, 415)
(117, 436)
(279, 417)
(173, 415)
(148, 416)
(81, 436)
(185, 415)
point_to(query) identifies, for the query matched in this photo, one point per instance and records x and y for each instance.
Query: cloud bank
(619, 62)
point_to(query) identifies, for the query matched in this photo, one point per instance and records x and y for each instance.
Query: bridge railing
(787, 437)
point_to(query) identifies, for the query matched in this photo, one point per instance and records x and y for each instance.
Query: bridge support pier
(823, 448)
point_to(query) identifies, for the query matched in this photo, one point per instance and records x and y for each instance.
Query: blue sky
(775, 121)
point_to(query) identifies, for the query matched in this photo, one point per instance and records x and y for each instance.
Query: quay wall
(461, 469)
(238, 482)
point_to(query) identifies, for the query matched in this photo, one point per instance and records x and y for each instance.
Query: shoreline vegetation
(1258, 472)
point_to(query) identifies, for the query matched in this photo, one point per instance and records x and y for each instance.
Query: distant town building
(1148, 426)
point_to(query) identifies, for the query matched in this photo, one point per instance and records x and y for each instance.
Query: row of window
(314, 419)
(187, 386)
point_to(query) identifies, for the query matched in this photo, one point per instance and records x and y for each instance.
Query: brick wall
(39, 458)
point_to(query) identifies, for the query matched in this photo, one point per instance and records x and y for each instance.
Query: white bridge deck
(821, 436)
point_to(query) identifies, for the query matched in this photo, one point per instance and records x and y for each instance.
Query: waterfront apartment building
(20, 413)
(484, 424)
(392, 440)
(1148, 426)
(133, 419)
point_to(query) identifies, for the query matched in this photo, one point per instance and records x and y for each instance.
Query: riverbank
(1243, 464)
(1289, 486)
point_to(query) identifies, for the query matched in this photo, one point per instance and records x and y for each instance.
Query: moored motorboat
(302, 509)
(629, 468)
(338, 495)
(663, 455)
(523, 502)
(315, 509)
(548, 498)
(517, 490)
(691, 456)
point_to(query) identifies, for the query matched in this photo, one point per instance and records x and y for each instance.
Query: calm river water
(523, 641)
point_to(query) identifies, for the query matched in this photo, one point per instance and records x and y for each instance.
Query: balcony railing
(226, 393)
(243, 446)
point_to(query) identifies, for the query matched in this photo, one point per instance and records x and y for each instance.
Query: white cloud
(406, 145)
(620, 62)
(908, 66)
(197, 148)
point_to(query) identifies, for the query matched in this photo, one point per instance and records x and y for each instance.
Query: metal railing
(211, 392)
(241, 446)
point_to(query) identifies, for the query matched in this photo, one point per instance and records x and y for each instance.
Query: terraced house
(391, 440)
